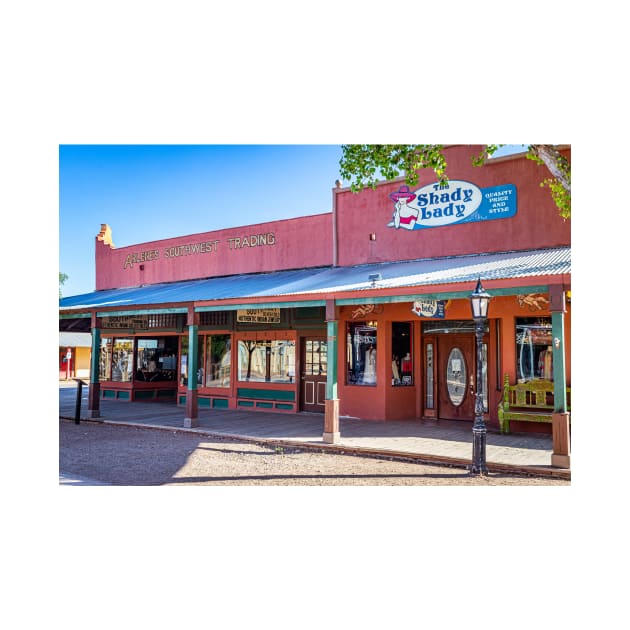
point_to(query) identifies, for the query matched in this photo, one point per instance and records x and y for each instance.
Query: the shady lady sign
(429, 308)
(436, 205)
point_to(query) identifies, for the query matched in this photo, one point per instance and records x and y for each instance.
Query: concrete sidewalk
(67, 479)
(440, 441)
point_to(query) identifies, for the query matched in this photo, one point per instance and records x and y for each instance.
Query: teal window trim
(456, 295)
(266, 394)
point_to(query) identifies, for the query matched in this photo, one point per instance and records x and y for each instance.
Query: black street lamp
(479, 301)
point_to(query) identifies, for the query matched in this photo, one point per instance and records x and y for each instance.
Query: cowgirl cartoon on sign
(404, 216)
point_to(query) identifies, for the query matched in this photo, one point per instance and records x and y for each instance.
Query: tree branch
(556, 163)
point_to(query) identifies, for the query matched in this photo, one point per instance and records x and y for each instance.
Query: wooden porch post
(331, 415)
(192, 401)
(94, 393)
(561, 456)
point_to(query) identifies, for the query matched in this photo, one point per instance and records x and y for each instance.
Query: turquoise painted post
(94, 393)
(94, 359)
(331, 416)
(192, 357)
(192, 403)
(560, 419)
(331, 373)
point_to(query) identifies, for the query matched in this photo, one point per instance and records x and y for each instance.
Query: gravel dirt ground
(130, 456)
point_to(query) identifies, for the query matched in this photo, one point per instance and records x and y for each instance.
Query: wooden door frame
(440, 385)
(424, 411)
(302, 353)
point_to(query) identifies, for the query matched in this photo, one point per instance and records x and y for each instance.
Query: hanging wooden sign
(429, 308)
(126, 321)
(258, 316)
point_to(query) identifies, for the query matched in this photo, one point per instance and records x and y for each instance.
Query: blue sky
(153, 192)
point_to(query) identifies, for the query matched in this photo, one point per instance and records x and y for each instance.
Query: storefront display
(362, 343)
(122, 360)
(402, 362)
(218, 362)
(156, 359)
(344, 312)
(533, 349)
(105, 359)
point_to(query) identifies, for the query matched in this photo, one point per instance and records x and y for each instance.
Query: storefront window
(184, 364)
(122, 360)
(105, 360)
(451, 326)
(361, 353)
(218, 360)
(282, 364)
(252, 360)
(266, 361)
(533, 348)
(183, 361)
(402, 363)
(156, 359)
(315, 358)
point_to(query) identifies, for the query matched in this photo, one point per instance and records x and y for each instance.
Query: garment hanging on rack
(406, 365)
(369, 372)
(526, 358)
(395, 371)
(545, 365)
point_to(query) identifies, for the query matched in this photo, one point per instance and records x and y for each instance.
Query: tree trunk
(555, 162)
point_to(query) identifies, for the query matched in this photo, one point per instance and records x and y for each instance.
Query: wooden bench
(527, 402)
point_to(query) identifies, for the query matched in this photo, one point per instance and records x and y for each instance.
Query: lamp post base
(478, 470)
(478, 466)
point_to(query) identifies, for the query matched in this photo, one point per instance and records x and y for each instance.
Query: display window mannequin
(369, 371)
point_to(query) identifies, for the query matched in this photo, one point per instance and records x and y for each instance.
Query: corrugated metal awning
(75, 340)
(281, 284)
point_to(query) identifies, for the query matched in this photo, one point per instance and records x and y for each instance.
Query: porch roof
(333, 280)
(75, 339)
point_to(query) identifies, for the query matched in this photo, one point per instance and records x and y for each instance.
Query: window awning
(75, 340)
(334, 280)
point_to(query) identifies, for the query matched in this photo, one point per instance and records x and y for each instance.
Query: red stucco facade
(257, 248)
(537, 223)
(360, 229)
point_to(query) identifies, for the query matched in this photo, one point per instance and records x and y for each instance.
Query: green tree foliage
(364, 164)
(62, 278)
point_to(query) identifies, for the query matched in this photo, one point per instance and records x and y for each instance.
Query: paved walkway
(437, 441)
(67, 479)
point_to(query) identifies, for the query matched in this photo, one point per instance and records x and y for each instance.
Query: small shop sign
(126, 321)
(258, 316)
(438, 205)
(429, 308)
